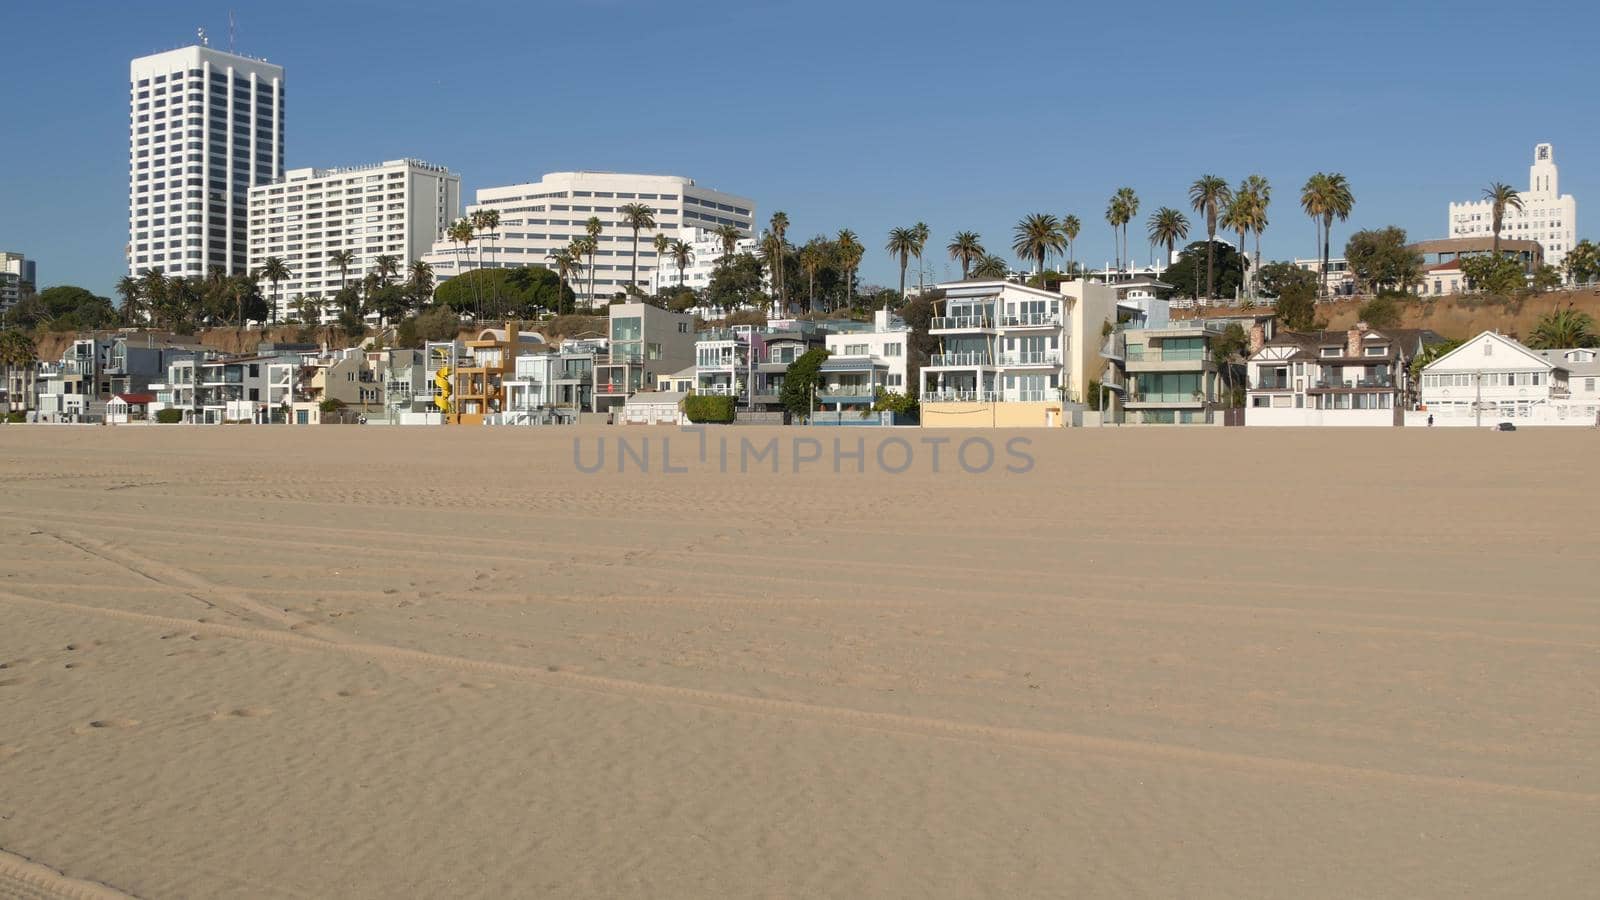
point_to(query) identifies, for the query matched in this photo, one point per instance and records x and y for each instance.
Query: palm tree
(1563, 328)
(1239, 216)
(813, 256)
(922, 233)
(1130, 209)
(460, 233)
(420, 281)
(1116, 215)
(1501, 196)
(129, 288)
(591, 246)
(991, 267)
(567, 263)
(779, 225)
(1167, 226)
(1207, 196)
(729, 236)
(17, 351)
(849, 252)
(682, 253)
(902, 244)
(1070, 229)
(1325, 197)
(637, 216)
(274, 271)
(1036, 236)
(662, 244)
(488, 221)
(1259, 190)
(965, 249)
(153, 289)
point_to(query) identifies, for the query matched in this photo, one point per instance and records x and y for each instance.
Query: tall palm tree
(1166, 227)
(1070, 229)
(1238, 217)
(637, 216)
(17, 351)
(1207, 196)
(128, 288)
(1259, 190)
(849, 253)
(591, 246)
(921, 232)
(1116, 215)
(779, 225)
(1130, 210)
(662, 244)
(1500, 197)
(344, 259)
(153, 290)
(567, 263)
(902, 244)
(420, 280)
(772, 248)
(729, 236)
(813, 256)
(682, 253)
(487, 221)
(461, 234)
(274, 271)
(1036, 237)
(965, 249)
(1326, 196)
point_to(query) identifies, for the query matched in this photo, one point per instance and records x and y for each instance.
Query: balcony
(851, 391)
(1271, 384)
(960, 396)
(1031, 320)
(1038, 358)
(961, 323)
(967, 358)
(1167, 398)
(1352, 384)
(1143, 355)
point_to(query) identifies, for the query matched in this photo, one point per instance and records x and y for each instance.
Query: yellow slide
(441, 379)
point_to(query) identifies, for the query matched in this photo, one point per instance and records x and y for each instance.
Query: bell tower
(1543, 179)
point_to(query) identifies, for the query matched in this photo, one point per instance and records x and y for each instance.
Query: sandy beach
(371, 662)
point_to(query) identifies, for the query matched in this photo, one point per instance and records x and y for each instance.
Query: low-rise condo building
(1012, 355)
(77, 386)
(1168, 374)
(646, 342)
(1359, 377)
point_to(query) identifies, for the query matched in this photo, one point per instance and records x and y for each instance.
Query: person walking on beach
(1430, 420)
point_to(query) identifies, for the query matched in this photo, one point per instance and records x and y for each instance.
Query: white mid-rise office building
(1547, 215)
(397, 209)
(540, 218)
(204, 127)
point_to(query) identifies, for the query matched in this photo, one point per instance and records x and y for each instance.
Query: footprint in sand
(8, 751)
(13, 682)
(77, 665)
(351, 693)
(251, 712)
(106, 725)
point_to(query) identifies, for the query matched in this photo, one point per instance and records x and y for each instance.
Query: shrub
(331, 406)
(16, 417)
(704, 408)
(169, 416)
(1381, 312)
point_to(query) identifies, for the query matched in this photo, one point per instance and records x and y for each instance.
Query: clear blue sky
(864, 114)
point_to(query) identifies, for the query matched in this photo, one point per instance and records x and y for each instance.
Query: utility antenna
(232, 29)
(201, 31)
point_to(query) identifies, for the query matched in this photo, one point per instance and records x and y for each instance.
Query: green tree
(1501, 196)
(779, 226)
(1207, 196)
(1546, 278)
(1380, 260)
(636, 216)
(1426, 356)
(921, 232)
(419, 284)
(1259, 192)
(1496, 275)
(591, 245)
(1583, 262)
(1563, 328)
(682, 254)
(849, 252)
(274, 271)
(568, 264)
(991, 267)
(1326, 196)
(1227, 352)
(1166, 227)
(966, 249)
(813, 259)
(902, 246)
(438, 323)
(128, 288)
(799, 380)
(17, 351)
(1295, 290)
(1036, 237)
(736, 282)
(1381, 312)
(1186, 274)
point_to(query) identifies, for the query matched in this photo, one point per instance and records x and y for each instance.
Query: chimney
(1258, 338)
(1353, 340)
(511, 337)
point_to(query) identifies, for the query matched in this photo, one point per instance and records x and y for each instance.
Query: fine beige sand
(369, 662)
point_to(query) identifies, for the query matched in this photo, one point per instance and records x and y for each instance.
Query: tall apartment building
(1547, 215)
(15, 269)
(204, 127)
(397, 208)
(540, 218)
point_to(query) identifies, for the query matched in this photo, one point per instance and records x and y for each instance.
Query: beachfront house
(1168, 374)
(1493, 378)
(645, 343)
(1357, 377)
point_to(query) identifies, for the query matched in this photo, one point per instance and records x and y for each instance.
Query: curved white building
(539, 218)
(1547, 215)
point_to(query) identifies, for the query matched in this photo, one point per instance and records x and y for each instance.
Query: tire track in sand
(1111, 749)
(24, 878)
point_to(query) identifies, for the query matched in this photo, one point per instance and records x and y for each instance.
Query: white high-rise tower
(204, 126)
(1546, 215)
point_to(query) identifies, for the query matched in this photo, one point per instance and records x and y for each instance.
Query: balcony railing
(959, 396)
(1033, 396)
(1271, 384)
(1353, 383)
(1037, 358)
(950, 323)
(846, 390)
(1030, 320)
(967, 358)
(1166, 397)
(1165, 355)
